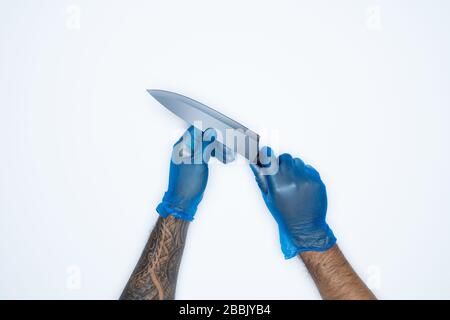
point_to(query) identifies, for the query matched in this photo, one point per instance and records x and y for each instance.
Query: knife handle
(226, 155)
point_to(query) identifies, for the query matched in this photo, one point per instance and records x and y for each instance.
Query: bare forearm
(334, 276)
(155, 275)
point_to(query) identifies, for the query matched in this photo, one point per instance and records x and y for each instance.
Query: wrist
(316, 257)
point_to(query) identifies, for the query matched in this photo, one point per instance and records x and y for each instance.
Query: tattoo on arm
(334, 276)
(155, 275)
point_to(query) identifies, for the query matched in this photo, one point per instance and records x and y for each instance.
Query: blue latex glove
(297, 199)
(189, 173)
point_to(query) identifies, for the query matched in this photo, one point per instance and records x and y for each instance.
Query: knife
(231, 133)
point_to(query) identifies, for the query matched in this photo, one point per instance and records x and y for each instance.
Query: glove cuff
(172, 207)
(318, 241)
(165, 209)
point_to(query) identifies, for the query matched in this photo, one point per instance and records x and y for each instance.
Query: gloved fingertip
(266, 151)
(299, 164)
(312, 171)
(266, 156)
(285, 161)
(286, 157)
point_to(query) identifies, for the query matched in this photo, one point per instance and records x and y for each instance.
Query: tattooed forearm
(155, 275)
(334, 276)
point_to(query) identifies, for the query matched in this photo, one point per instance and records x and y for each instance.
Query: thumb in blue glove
(297, 199)
(189, 173)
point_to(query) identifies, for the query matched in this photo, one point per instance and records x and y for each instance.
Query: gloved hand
(189, 173)
(297, 199)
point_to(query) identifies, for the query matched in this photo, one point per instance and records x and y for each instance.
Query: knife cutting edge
(233, 135)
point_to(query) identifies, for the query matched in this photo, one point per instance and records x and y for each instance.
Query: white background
(359, 89)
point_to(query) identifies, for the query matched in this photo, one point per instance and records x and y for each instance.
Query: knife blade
(231, 133)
